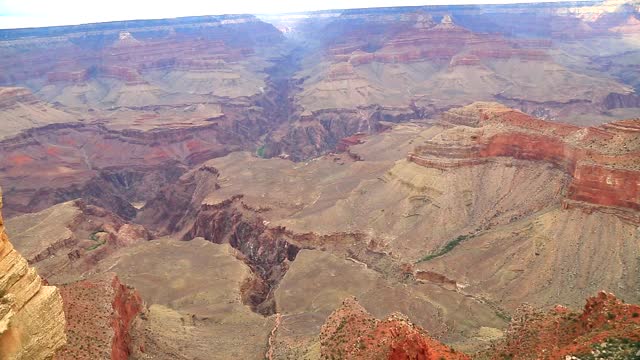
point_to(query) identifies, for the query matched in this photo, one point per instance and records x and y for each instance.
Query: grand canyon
(430, 182)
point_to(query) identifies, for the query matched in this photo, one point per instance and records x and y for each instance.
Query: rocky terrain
(226, 186)
(350, 332)
(32, 321)
(607, 328)
(99, 312)
(70, 238)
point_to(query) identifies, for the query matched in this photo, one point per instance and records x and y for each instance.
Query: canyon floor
(400, 183)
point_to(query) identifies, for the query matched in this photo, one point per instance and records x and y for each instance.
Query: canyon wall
(32, 323)
(602, 161)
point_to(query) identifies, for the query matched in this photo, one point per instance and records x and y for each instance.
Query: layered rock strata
(603, 161)
(32, 322)
(68, 239)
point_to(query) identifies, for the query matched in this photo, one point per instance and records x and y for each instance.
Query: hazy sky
(30, 13)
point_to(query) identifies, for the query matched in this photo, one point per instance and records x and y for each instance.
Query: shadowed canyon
(434, 182)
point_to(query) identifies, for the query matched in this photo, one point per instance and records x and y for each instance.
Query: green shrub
(448, 247)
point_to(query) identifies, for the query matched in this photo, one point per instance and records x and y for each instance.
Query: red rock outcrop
(603, 162)
(605, 324)
(99, 312)
(351, 332)
(345, 143)
(607, 327)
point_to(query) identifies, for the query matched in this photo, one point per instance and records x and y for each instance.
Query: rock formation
(339, 161)
(32, 323)
(602, 161)
(22, 110)
(351, 332)
(60, 169)
(68, 239)
(184, 319)
(176, 93)
(99, 313)
(607, 328)
(445, 40)
(410, 62)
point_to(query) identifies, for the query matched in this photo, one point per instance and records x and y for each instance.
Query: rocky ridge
(350, 332)
(607, 328)
(405, 55)
(68, 239)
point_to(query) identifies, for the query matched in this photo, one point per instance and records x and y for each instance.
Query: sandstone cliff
(32, 324)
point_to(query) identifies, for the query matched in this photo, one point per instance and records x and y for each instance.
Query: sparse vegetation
(448, 247)
(614, 349)
(341, 325)
(98, 242)
(93, 235)
(503, 315)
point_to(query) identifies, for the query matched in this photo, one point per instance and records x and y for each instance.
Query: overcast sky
(31, 13)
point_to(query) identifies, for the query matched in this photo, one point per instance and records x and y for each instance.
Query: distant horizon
(19, 14)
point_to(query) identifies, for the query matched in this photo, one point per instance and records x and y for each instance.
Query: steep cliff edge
(32, 324)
